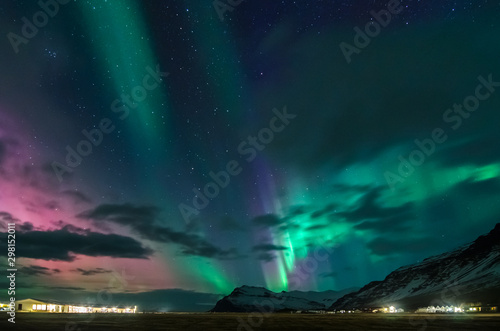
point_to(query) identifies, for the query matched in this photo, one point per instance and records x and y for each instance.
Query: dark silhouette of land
(255, 321)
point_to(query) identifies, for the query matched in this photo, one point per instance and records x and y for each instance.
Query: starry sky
(178, 149)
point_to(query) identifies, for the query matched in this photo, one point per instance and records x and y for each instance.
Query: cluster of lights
(82, 309)
(389, 310)
(39, 307)
(445, 309)
(76, 309)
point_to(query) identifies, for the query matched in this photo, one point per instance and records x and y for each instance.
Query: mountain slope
(468, 274)
(250, 299)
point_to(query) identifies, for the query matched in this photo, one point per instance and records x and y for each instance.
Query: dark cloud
(125, 214)
(398, 223)
(25, 227)
(7, 217)
(290, 226)
(267, 220)
(369, 209)
(326, 210)
(329, 274)
(268, 247)
(20, 226)
(316, 227)
(297, 210)
(142, 219)
(264, 251)
(266, 257)
(191, 244)
(91, 272)
(61, 225)
(34, 270)
(63, 245)
(205, 249)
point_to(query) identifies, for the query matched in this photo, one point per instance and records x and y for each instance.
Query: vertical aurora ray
(126, 55)
(275, 272)
(124, 58)
(289, 258)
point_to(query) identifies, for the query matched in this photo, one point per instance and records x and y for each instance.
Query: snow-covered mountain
(468, 274)
(250, 299)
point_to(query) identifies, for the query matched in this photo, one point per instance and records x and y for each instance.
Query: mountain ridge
(466, 274)
(252, 298)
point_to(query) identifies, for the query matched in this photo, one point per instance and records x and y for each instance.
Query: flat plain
(247, 322)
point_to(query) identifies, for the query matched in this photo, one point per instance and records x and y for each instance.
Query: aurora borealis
(161, 105)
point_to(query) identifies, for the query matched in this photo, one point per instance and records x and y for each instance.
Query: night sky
(166, 147)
